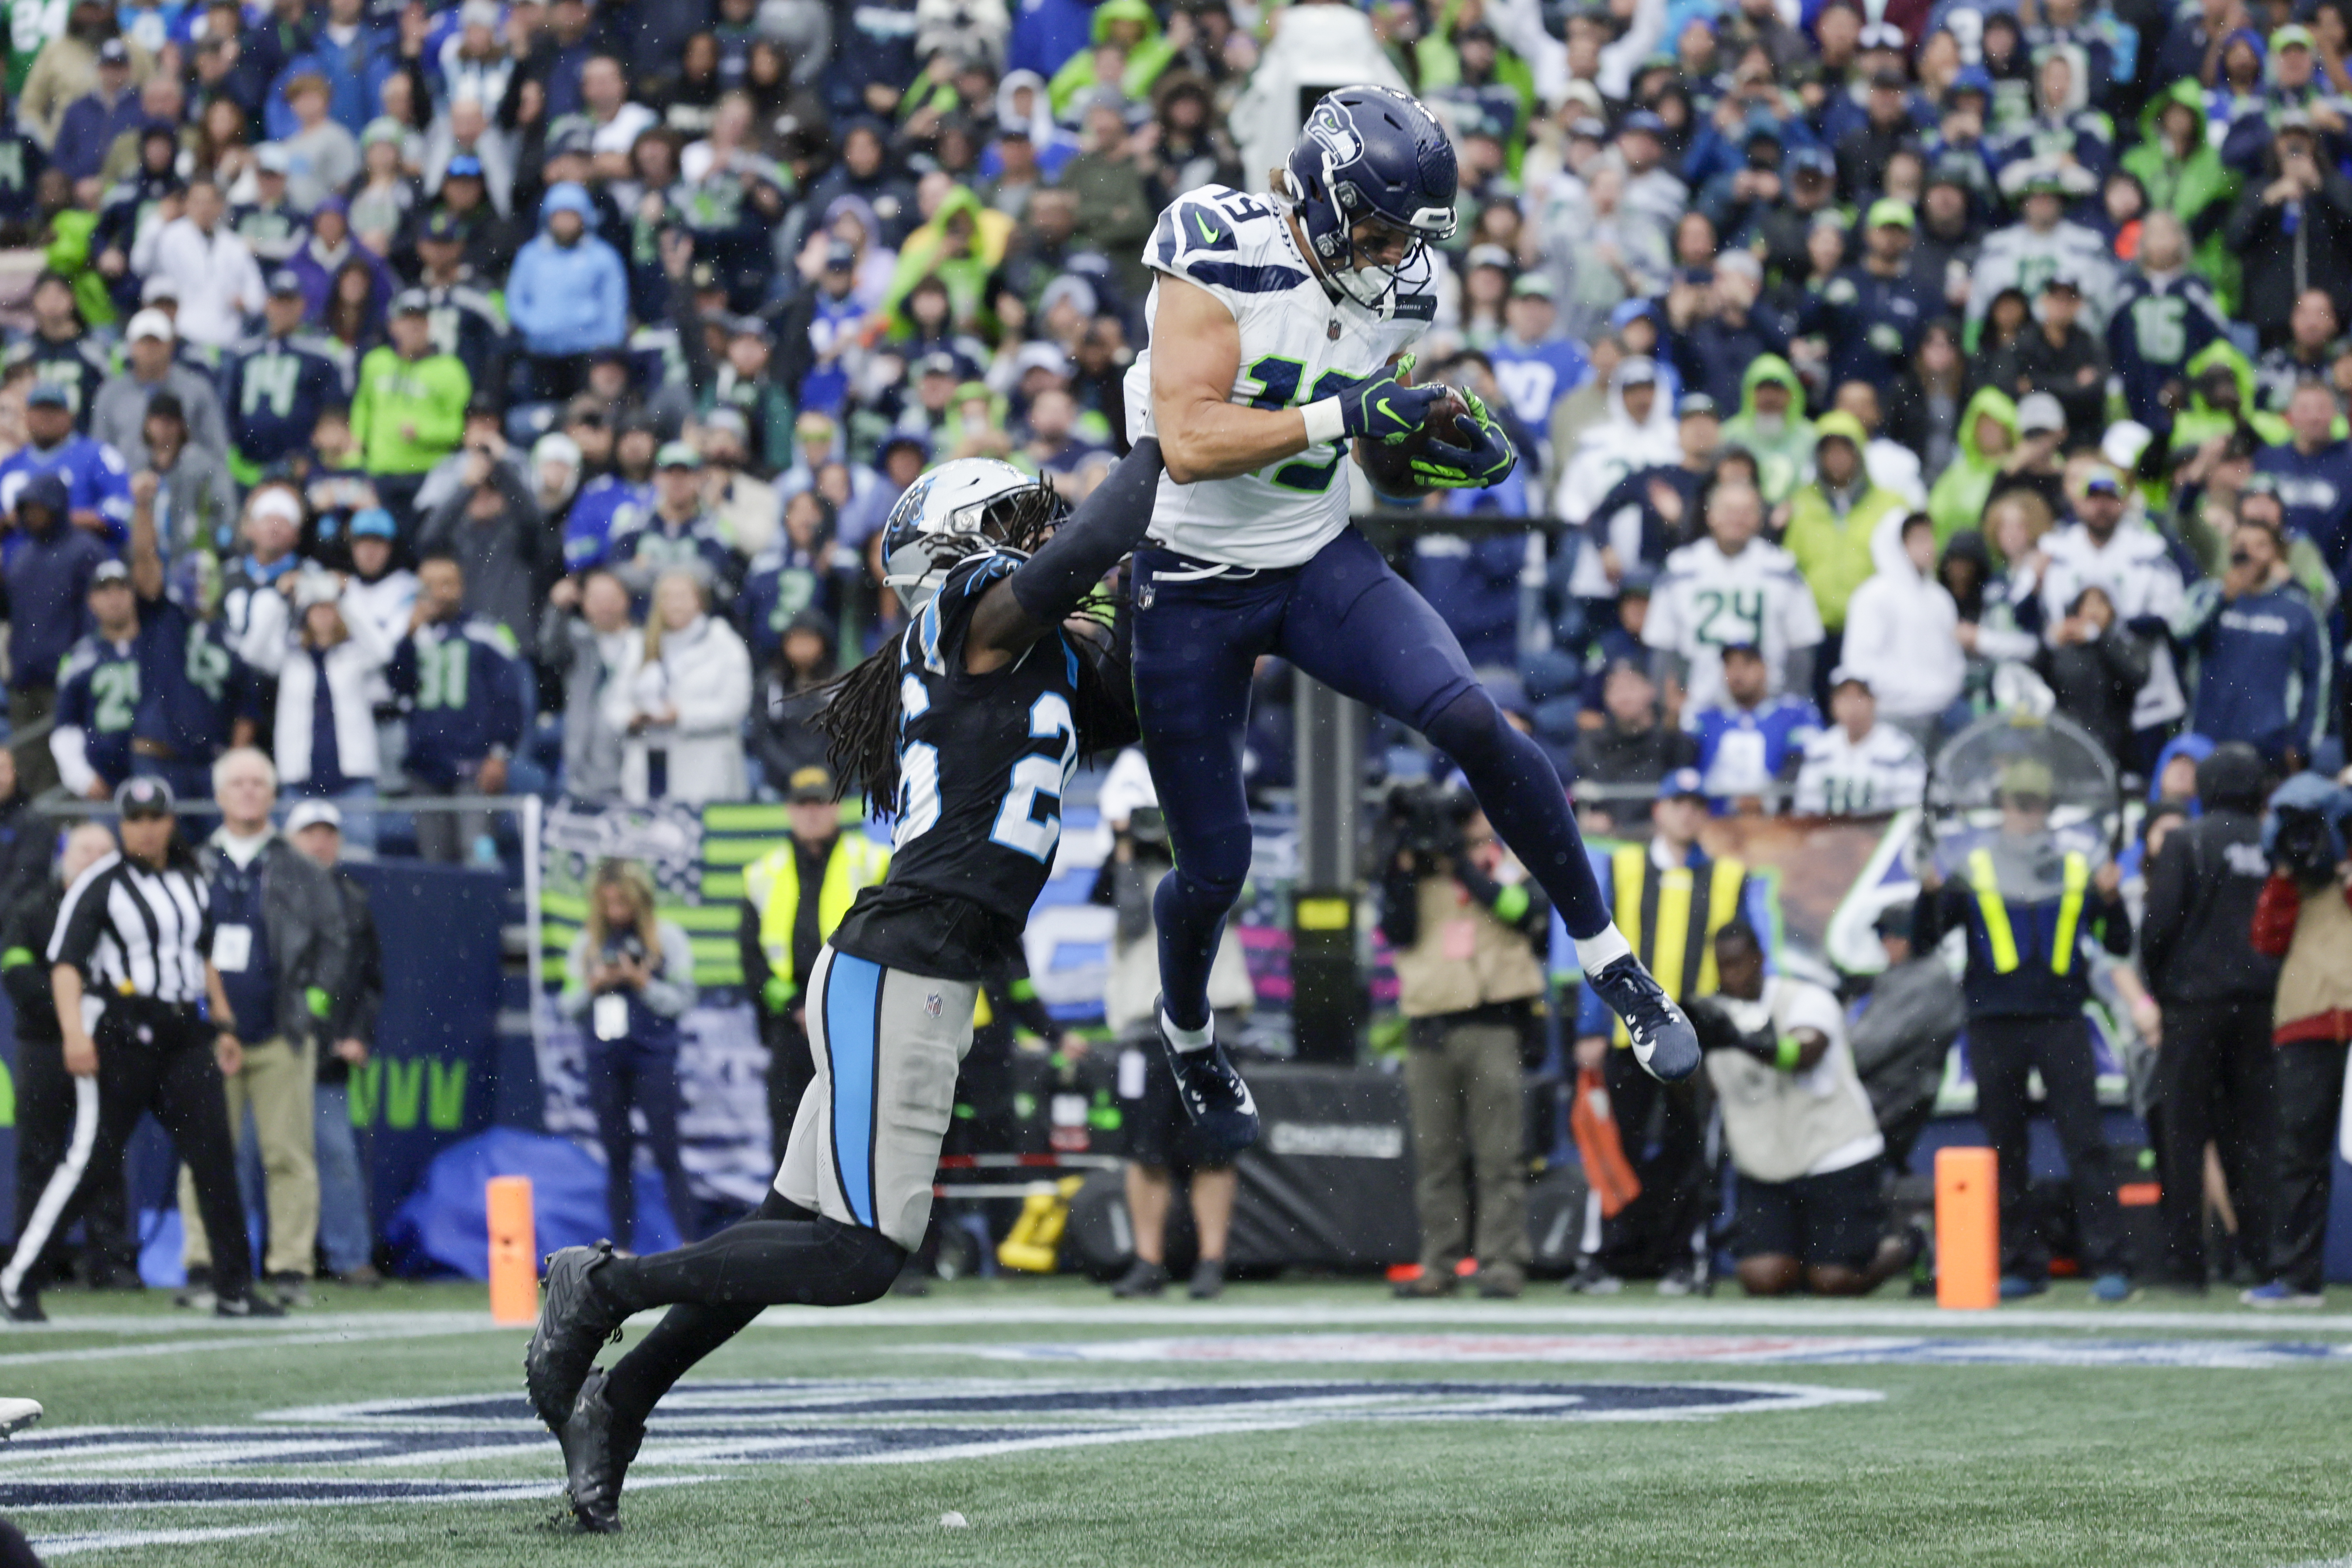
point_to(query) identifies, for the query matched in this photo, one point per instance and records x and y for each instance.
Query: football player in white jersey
(1278, 323)
(1729, 588)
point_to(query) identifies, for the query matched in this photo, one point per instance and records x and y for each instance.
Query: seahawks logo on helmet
(1338, 137)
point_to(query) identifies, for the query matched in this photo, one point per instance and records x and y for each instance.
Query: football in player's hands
(1389, 464)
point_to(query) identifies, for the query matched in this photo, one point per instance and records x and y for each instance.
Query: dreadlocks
(858, 711)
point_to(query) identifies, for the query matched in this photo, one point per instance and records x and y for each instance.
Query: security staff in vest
(45, 1090)
(2213, 1059)
(1670, 898)
(793, 898)
(133, 986)
(1468, 929)
(2031, 905)
(280, 946)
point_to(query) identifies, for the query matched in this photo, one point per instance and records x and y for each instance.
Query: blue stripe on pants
(853, 1046)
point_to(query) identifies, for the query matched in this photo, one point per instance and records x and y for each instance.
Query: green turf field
(1288, 1422)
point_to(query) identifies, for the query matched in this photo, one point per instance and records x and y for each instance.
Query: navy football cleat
(1214, 1097)
(574, 1324)
(1663, 1041)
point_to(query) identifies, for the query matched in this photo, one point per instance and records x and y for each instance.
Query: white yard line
(127, 1540)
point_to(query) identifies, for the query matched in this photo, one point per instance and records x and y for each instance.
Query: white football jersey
(1884, 772)
(1297, 343)
(1706, 601)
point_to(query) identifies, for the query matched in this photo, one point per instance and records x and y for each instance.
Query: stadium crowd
(513, 394)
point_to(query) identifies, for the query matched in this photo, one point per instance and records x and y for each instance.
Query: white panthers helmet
(948, 505)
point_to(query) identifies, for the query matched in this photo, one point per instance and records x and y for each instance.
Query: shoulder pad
(1214, 237)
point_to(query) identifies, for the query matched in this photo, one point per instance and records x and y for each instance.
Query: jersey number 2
(1030, 820)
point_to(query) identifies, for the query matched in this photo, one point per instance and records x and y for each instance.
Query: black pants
(2002, 1051)
(2214, 1081)
(791, 1070)
(625, 1075)
(1664, 1129)
(2310, 1105)
(154, 1057)
(45, 1118)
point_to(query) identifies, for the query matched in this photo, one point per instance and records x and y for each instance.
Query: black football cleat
(23, 1307)
(574, 1324)
(1213, 1095)
(597, 1448)
(1663, 1041)
(252, 1304)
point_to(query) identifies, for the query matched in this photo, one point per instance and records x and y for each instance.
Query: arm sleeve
(1106, 527)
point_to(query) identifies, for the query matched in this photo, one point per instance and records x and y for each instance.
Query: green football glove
(1487, 458)
(1380, 407)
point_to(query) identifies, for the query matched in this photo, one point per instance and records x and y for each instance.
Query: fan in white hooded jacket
(703, 675)
(1607, 451)
(1901, 628)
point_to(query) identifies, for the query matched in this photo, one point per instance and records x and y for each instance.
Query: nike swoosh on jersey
(1208, 234)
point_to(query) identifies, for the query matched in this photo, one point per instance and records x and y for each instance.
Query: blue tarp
(445, 1222)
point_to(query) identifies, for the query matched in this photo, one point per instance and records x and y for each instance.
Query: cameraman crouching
(2304, 918)
(1803, 1137)
(1469, 928)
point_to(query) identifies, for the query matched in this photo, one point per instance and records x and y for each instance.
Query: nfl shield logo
(932, 1004)
(1145, 594)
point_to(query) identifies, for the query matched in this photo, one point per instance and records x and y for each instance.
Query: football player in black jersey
(966, 729)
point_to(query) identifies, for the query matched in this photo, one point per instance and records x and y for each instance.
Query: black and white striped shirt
(136, 932)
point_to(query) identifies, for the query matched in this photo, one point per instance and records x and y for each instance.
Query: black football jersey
(983, 762)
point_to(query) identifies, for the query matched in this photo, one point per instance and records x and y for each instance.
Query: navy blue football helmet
(1371, 152)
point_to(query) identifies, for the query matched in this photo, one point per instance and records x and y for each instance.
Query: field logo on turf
(489, 1448)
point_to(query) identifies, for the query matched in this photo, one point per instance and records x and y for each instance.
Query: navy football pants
(1352, 623)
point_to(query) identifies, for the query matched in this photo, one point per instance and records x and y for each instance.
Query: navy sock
(1190, 910)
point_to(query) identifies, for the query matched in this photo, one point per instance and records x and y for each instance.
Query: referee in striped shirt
(131, 965)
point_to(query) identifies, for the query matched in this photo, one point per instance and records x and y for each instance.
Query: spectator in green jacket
(1988, 435)
(2182, 172)
(1771, 426)
(410, 409)
(1832, 518)
(1127, 52)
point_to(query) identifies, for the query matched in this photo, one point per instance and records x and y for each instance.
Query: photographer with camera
(1160, 1141)
(2304, 918)
(630, 979)
(1801, 1131)
(1469, 929)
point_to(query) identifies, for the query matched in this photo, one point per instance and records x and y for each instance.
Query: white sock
(1189, 1039)
(1596, 953)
